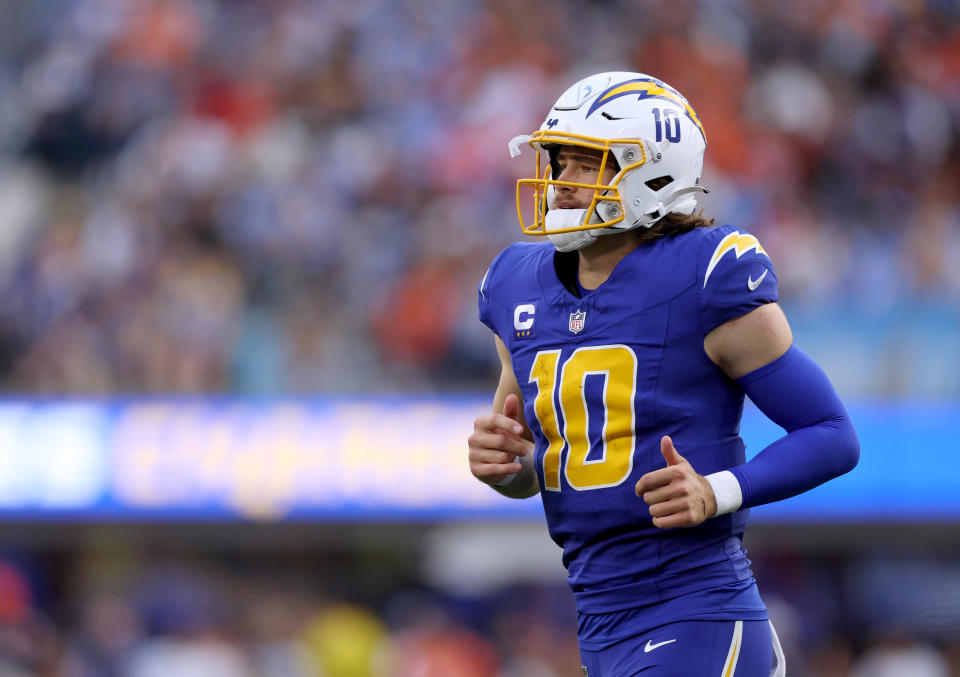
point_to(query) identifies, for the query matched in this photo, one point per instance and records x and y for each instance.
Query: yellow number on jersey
(617, 364)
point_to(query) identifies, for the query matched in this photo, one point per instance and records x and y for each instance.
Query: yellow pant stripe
(730, 666)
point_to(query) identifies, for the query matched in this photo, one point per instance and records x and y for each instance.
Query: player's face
(579, 165)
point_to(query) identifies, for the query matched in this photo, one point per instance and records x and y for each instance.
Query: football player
(628, 341)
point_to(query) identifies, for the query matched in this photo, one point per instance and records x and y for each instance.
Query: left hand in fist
(677, 495)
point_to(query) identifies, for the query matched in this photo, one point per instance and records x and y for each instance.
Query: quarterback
(628, 341)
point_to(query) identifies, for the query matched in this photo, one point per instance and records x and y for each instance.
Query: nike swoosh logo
(753, 284)
(651, 646)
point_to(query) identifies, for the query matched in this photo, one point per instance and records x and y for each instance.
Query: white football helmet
(637, 121)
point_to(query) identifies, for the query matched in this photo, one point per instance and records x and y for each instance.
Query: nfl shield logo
(576, 321)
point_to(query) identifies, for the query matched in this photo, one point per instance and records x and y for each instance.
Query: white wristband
(505, 481)
(726, 489)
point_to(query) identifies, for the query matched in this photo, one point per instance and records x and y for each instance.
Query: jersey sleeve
(734, 274)
(483, 300)
(487, 290)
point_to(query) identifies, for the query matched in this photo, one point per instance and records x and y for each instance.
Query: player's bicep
(748, 342)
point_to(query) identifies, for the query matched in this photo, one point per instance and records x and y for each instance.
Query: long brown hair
(673, 224)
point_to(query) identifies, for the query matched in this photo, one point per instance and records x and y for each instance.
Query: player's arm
(756, 349)
(821, 443)
(501, 446)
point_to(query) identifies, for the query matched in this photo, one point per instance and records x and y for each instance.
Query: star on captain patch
(576, 321)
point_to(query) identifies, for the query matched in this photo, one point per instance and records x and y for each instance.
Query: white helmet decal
(648, 88)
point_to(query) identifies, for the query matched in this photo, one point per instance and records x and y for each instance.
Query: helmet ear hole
(659, 182)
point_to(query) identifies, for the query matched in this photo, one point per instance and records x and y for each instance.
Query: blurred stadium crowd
(286, 615)
(300, 195)
(275, 196)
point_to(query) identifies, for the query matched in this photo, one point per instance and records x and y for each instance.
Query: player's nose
(567, 175)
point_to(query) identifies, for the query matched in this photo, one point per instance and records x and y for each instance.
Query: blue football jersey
(604, 376)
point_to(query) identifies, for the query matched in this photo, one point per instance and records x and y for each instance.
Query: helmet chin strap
(558, 219)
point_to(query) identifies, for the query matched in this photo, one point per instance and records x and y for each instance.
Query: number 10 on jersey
(566, 385)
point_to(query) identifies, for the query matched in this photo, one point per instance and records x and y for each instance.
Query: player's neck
(599, 259)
